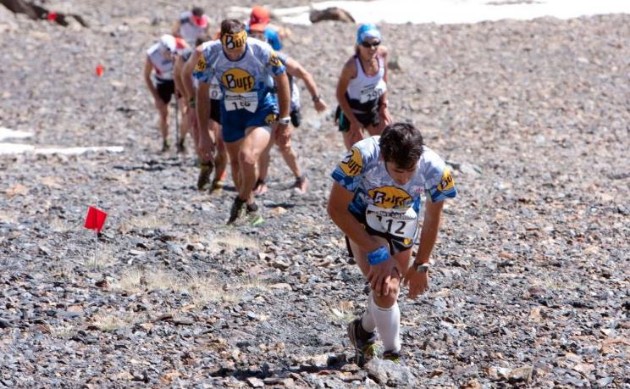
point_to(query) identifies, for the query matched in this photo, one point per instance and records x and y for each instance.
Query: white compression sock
(388, 324)
(367, 321)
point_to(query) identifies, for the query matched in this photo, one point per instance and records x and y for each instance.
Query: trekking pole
(176, 122)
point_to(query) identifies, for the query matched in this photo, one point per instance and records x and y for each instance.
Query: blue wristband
(379, 255)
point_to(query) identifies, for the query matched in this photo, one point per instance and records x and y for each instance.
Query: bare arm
(187, 81)
(383, 102)
(148, 69)
(175, 29)
(430, 227)
(295, 69)
(348, 72)
(419, 281)
(284, 94)
(338, 202)
(178, 68)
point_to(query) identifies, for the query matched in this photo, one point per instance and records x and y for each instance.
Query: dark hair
(202, 39)
(197, 11)
(402, 144)
(231, 26)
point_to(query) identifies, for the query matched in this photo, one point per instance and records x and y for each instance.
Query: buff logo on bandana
(233, 41)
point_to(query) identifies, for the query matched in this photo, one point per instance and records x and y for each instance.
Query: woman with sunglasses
(362, 89)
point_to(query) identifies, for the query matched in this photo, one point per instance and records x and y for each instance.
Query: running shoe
(217, 186)
(205, 170)
(181, 148)
(254, 218)
(364, 342)
(236, 212)
(301, 185)
(165, 145)
(392, 356)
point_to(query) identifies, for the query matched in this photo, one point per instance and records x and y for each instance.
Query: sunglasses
(369, 45)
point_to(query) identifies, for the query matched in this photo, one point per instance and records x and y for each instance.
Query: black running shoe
(252, 213)
(392, 356)
(238, 207)
(364, 342)
(205, 170)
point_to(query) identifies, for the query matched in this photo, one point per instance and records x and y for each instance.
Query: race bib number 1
(400, 223)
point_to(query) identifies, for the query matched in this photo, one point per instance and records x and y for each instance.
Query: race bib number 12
(400, 223)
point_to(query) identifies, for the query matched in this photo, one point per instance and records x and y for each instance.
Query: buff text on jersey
(238, 80)
(352, 164)
(390, 197)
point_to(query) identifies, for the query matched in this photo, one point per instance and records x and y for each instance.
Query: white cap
(168, 41)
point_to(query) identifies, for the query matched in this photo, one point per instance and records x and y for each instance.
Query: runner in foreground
(376, 200)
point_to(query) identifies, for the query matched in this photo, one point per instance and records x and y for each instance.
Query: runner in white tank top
(362, 88)
(212, 155)
(192, 25)
(158, 77)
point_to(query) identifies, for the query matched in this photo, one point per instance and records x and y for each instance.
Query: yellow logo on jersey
(237, 80)
(447, 183)
(201, 63)
(272, 117)
(389, 197)
(274, 60)
(352, 164)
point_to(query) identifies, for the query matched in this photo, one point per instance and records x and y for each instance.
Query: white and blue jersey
(247, 84)
(381, 203)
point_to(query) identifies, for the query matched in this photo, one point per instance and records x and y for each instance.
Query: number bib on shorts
(402, 223)
(215, 91)
(246, 100)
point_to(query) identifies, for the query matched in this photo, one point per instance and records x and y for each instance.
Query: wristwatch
(285, 120)
(421, 267)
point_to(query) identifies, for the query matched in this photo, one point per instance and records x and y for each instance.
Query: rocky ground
(531, 281)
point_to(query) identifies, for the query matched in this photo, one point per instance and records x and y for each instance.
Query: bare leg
(233, 152)
(221, 155)
(290, 157)
(163, 121)
(255, 141)
(350, 138)
(376, 130)
(185, 124)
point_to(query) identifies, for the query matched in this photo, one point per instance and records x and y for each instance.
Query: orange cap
(259, 15)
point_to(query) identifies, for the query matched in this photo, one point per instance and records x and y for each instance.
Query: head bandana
(233, 41)
(367, 31)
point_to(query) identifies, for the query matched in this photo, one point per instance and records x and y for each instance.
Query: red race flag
(99, 70)
(95, 219)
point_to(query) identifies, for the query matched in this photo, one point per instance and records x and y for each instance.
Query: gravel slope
(531, 281)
